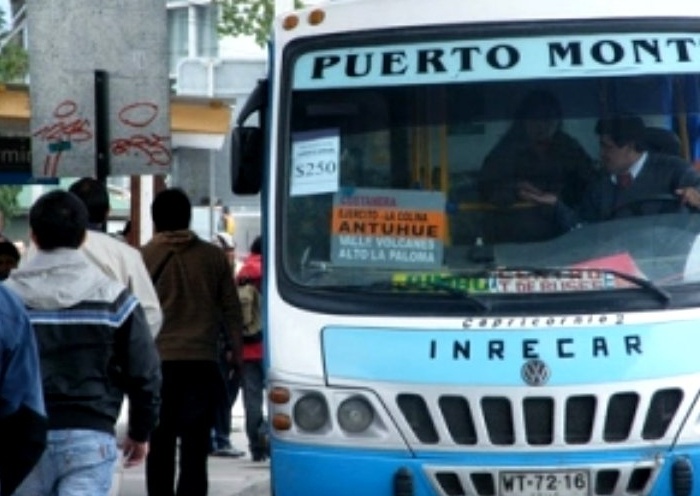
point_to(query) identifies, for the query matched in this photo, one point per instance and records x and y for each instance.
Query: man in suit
(633, 181)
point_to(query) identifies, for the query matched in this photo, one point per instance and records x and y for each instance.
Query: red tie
(624, 180)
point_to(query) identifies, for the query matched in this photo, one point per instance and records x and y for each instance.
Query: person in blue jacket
(23, 421)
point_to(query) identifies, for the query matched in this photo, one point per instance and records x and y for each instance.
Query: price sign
(315, 162)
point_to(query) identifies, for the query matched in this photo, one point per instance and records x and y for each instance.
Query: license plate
(544, 483)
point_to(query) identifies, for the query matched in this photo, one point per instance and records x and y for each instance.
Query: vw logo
(535, 373)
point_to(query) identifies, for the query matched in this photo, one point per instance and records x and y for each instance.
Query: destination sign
(388, 228)
(535, 57)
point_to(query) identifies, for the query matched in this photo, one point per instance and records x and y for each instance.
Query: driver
(631, 176)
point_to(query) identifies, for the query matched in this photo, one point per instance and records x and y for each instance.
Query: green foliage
(248, 18)
(14, 64)
(14, 61)
(9, 204)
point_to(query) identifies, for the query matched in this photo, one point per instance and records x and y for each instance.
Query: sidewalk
(227, 476)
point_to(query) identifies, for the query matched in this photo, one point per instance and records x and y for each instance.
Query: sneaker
(259, 457)
(260, 454)
(230, 452)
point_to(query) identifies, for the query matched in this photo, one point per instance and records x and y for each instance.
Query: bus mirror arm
(246, 160)
(247, 144)
(256, 102)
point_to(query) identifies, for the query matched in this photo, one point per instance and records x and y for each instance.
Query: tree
(14, 63)
(248, 18)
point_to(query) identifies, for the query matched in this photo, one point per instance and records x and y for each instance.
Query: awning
(199, 123)
(194, 122)
(15, 110)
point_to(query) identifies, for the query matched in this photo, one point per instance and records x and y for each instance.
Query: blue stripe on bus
(313, 470)
(580, 355)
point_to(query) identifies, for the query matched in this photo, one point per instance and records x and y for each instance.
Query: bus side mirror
(247, 157)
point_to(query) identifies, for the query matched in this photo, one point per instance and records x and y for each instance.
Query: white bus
(443, 316)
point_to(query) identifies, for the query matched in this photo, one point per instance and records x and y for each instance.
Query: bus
(434, 325)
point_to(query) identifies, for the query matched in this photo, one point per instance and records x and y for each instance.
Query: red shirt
(252, 271)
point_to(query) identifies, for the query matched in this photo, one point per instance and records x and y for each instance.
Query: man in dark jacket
(197, 295)
(94, 344)
(22, 414)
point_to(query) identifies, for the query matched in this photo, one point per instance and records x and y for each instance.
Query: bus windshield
(494, 165)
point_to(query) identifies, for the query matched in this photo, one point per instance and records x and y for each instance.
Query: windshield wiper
(661, 294)
(390, 286)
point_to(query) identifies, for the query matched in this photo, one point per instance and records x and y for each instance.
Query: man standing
(22, 414)
(116, 258)
(254, 370)
(221, 434)
(197, 294)
(9, 258)
(94, 344)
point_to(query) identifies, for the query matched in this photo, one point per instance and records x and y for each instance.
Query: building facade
(196, 69)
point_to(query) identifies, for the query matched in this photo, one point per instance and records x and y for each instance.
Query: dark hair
(623, 130)
(539, 104)
(126, 230)
(95, 196)
(9, 248)
(171, 210)
(256, 246)
(58, 220)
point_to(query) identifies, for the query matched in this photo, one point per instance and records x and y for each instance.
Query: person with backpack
(249, 281)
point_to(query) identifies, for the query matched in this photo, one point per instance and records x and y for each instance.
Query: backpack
(249, 296)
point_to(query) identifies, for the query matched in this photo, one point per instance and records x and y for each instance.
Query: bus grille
(541, 420)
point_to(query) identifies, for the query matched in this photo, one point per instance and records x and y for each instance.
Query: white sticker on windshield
(315, 157)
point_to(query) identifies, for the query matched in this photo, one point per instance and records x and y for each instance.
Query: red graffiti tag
(139, 115)
(67, 128)
(153, 146)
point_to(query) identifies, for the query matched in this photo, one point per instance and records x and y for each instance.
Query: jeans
(77, 462)
(253, 389)
(189, 394)
(221, 434)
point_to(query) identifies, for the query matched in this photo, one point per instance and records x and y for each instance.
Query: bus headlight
(311, 412)
(355, 414)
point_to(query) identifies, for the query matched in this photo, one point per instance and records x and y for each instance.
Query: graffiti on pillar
(69, 128)
(66, 129)
(154, 147)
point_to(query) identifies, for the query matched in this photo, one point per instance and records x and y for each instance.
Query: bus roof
(351, 15)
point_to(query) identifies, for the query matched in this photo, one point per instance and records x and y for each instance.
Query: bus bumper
(303, 470)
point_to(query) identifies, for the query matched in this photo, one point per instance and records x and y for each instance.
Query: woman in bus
(534, 156)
